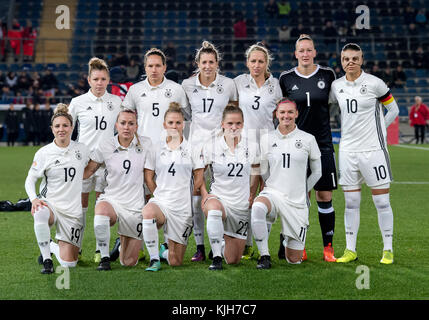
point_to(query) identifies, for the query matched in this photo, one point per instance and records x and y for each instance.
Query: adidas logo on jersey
(57, 162)
(248, 86)
(341, 91)
(274, 145)
(295, 87)
(143, 95)
(116, 151)
(89, 108)
(195, 91)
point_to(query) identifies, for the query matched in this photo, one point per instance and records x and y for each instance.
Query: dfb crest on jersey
(219, 89)
(271, 90)
(110, 105)
(168, 93)
(78, 155)
(321, 84)
(363, 90)
(298, 144)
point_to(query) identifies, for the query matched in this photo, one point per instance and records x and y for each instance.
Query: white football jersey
(151, 103)
(207, 103)
(173, 169)
(125, 170)
(362, 120)
(287, 158)
(96, 117)
(62, 173)
(257, 103)
(231, 171)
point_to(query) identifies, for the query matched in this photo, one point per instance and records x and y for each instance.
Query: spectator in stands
(2, 80)
(334, 60)
(120, 59)
(240, 28)
(388, 77)
(413, 30)
(296, 32)
(12, 125)
(49, 83)
(3, 33)
(421, 18)
(399, 76)
(329, 32)
(15, 38)
(170, 51)
(272, 9)
(284, 9)
(419, 119)
(338, 72)
(284, 33)
(12, 80)
(7, 95)
(46, 132)
(420, 59)
(375, 71)
(133, 71)
(18, 99)
(29, 36)
(27, 119)
(409, 15)
(38, 124)
(342, 34)
(24, 82)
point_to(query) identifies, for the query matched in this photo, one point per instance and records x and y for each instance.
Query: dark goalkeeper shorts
(328, 181)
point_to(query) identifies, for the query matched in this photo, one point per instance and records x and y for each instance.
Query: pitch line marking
(411, 147)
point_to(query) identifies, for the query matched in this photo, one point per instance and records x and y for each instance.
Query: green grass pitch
(314, 279)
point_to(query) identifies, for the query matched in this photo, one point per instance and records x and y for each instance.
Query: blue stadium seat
(403, 111)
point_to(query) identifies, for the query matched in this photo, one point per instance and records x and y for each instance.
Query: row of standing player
(308, 84)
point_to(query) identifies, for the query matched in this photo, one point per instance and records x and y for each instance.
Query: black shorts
(328, 180)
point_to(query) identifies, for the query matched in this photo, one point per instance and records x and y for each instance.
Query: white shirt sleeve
(332, 97)
(234, 93)
(35, 172)
(96, 155)
(265, 172)
(128, 101)
(315, 164)
(73, 111)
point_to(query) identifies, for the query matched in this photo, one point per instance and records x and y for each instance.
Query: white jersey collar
(253, 82)
(94, 98)
(211, 85)
(161, 85)
(289, 135)
(310, 75)
(118, 146)
(226, 147)
(358, 81)
(182, 146)
(59, 149)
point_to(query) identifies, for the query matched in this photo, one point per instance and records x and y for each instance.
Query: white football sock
(102, 234)
(260, 227)
(198, 220)
(55, 249)
(249, 240)
(215, 231)
(352, 218)
(385, 219)
(42, 231)
(150, 233)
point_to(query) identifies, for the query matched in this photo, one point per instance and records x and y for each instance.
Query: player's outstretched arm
(149, 178)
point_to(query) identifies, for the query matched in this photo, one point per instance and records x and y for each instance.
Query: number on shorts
(127, 165)
(302, 234)
(75, 234)
(69, 172)
(140, 229)
(187, 232)
(243, 228)
(380, 172)
(233, 166)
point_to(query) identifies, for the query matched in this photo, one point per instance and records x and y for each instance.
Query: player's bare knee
(293, 259)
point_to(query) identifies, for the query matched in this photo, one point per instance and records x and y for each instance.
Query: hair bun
(61, 108)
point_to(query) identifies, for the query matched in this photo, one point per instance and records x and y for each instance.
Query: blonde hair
(97, 64)
(62, 110)
(304, 37)
(268, 57)
(209, 48)
(155, 51)
(174, 107)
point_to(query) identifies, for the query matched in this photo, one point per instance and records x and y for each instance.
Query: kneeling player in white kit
(124, 156)
(285, 155)
(234, 163)
(175, 163)
(61, 165)
(363, 155)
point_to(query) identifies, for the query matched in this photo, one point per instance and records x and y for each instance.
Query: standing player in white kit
(363, 155)
(151, 98)
(94, 114)
(258, 93)
(208, 93)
